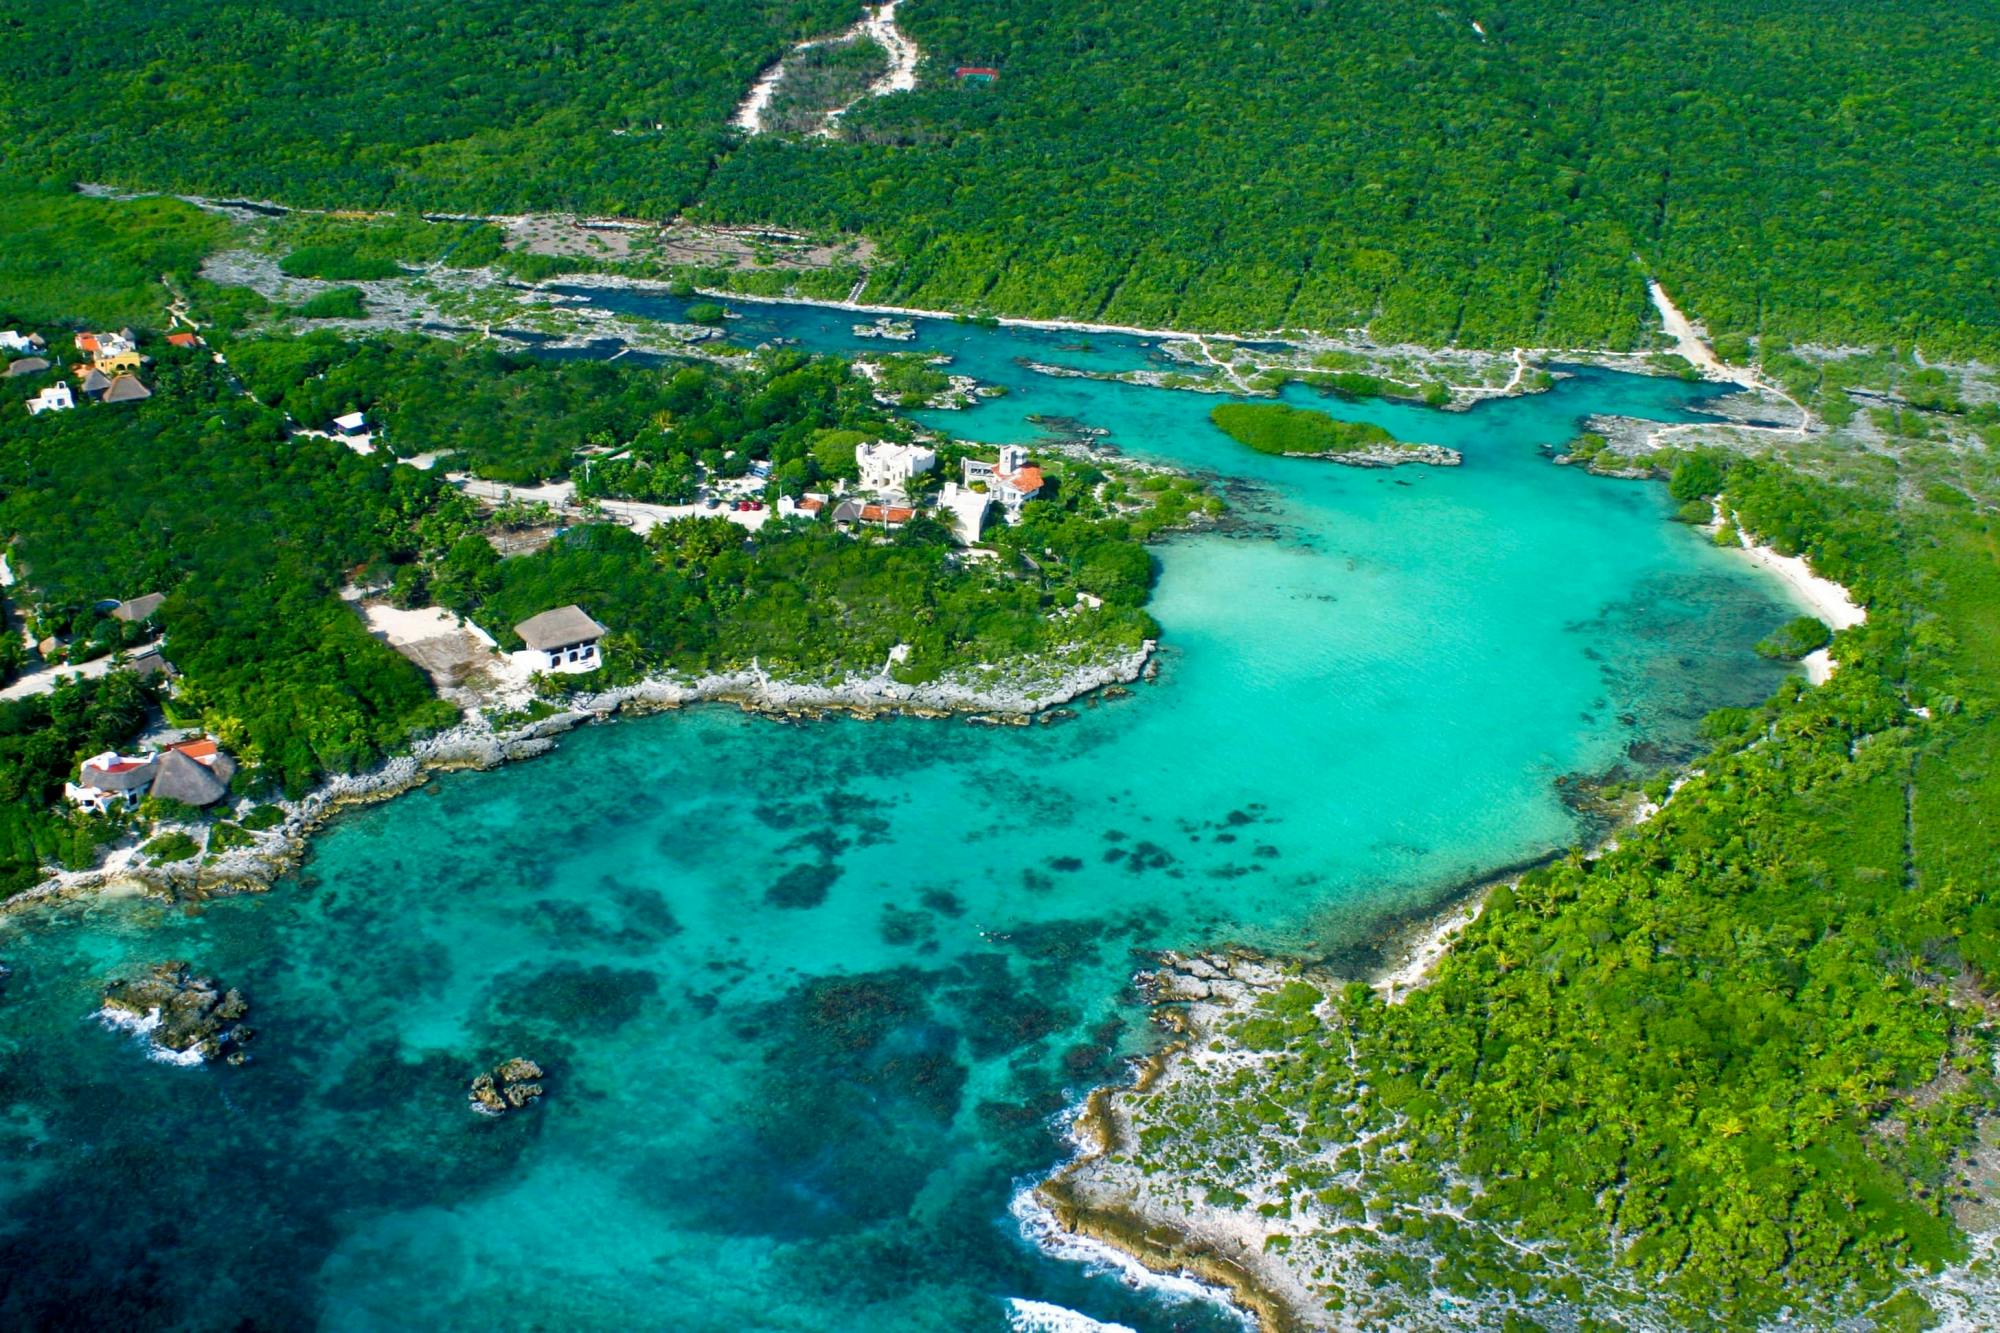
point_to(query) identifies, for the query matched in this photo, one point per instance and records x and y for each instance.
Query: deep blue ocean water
(811, 996)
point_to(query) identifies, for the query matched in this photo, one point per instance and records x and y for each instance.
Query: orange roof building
(1011, 479)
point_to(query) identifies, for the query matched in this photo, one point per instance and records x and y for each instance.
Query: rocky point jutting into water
(181, 1012)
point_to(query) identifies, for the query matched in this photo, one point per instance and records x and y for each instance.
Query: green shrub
(1797, 638)
(263, 817)
(174, 846)
(337, 263)
(1695, 477)
(333, 303)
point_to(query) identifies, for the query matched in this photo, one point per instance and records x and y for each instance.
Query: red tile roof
(183, 340)
(811, 506)
(86, 342)
(890, 514)
(1026, 480)
(203, 748)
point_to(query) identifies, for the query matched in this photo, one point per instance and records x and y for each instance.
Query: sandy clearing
(877, 25)
(45, 678)
(641, 517)
(416, 624)
(1689, 342)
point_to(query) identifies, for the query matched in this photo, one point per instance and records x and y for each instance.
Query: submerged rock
(511, 1086)
(185, 1015)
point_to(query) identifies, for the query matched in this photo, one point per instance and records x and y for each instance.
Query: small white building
(1011, 479)
(352, 431)
(54, 398)
(110, 780)
(10, 341)
(564, 639)
(888, 466)
(963, 511)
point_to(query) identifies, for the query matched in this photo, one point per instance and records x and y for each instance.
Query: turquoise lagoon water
(812, 996)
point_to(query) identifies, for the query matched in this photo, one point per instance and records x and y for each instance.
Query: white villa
(963, 511)
(11, 341)
(55, 398)
(194, 772)
(564, 639)
(1011, 479)
(887, 466)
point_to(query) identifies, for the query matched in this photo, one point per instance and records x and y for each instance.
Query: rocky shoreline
(1391, 455)
(479, 743)
(1103, 1196)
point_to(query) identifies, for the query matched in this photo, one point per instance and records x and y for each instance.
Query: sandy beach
(1823, 597)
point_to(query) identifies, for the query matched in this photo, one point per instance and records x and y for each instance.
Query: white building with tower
(888, 466)
(1011, 479)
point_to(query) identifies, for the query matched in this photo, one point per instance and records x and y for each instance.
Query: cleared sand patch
(462, 660)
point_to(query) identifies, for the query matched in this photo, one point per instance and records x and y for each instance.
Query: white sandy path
(901, 77)
(749, 115)
(639, 516)
(1689, 342)
(44, 679)
(879, 26)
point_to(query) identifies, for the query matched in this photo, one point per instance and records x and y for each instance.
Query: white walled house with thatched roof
(110, 780)
(194, 772)
(564, 639)
(188, 775)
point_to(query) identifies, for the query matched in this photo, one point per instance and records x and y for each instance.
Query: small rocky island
(510, 1086)
(893, 330)
(1298, 432)
(189, 1018)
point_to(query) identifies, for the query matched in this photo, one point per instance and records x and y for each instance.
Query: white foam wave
(144, 1025)
(1040, 1229)
(1026, 1316)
